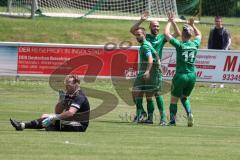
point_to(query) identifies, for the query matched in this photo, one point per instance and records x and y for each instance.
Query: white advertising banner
(8, 60)
(211, 65)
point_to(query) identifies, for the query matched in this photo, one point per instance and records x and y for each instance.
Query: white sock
(22, 125)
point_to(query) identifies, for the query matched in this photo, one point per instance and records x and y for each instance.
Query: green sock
(150, 109)
(139, 106)
(173, 112)
(186, 104)
(161, 108)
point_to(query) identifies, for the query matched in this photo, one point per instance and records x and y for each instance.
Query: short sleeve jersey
(186, 54)
(145, 51)
(80, 102)
(157, 42)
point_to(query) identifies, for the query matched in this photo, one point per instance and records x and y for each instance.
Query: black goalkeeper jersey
(79, 101)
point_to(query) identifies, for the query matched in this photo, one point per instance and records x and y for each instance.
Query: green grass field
(90, 31)
(215, 135)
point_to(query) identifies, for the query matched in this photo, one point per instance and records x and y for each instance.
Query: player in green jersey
(146, 81)
(157, 41)
(184, 80)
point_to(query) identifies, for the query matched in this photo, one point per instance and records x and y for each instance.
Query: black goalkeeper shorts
(67, 127)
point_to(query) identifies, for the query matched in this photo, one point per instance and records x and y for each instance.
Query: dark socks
(173, 112)
(150, 109)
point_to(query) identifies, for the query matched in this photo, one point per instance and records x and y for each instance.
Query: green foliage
(3, 3)
(227, 8)
(188, 7)
(220, 7)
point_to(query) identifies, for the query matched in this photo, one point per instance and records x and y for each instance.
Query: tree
(219, 7)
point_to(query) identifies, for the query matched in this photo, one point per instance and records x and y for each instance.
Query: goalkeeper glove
(49, 120)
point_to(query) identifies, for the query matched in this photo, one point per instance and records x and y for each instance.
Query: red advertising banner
(211, 65)
(61, 60)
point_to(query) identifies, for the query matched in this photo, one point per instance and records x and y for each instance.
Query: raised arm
(167, 31)
(197, 32)
(177, 31)
(142, 19)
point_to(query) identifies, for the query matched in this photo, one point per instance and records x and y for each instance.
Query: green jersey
(186, 54)
(157, 43)
(145, 51)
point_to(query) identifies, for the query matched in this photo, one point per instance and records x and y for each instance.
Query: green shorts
(183, 84)
(150, 85)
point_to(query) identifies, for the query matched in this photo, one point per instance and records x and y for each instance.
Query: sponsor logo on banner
(231, 69)
(45, 60)
(211, 65)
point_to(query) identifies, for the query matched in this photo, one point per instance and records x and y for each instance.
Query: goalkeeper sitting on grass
(71, 112)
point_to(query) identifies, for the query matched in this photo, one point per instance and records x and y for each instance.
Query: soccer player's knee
(174, 100)
(183, 98)
(135, 92)
(157, 94)
(149, 98)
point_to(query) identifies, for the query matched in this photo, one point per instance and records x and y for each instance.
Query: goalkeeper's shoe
(190, 120)
(17, 125)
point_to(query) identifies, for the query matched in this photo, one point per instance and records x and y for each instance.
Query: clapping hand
(170, 17)
(191, 21)
(145, 16)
